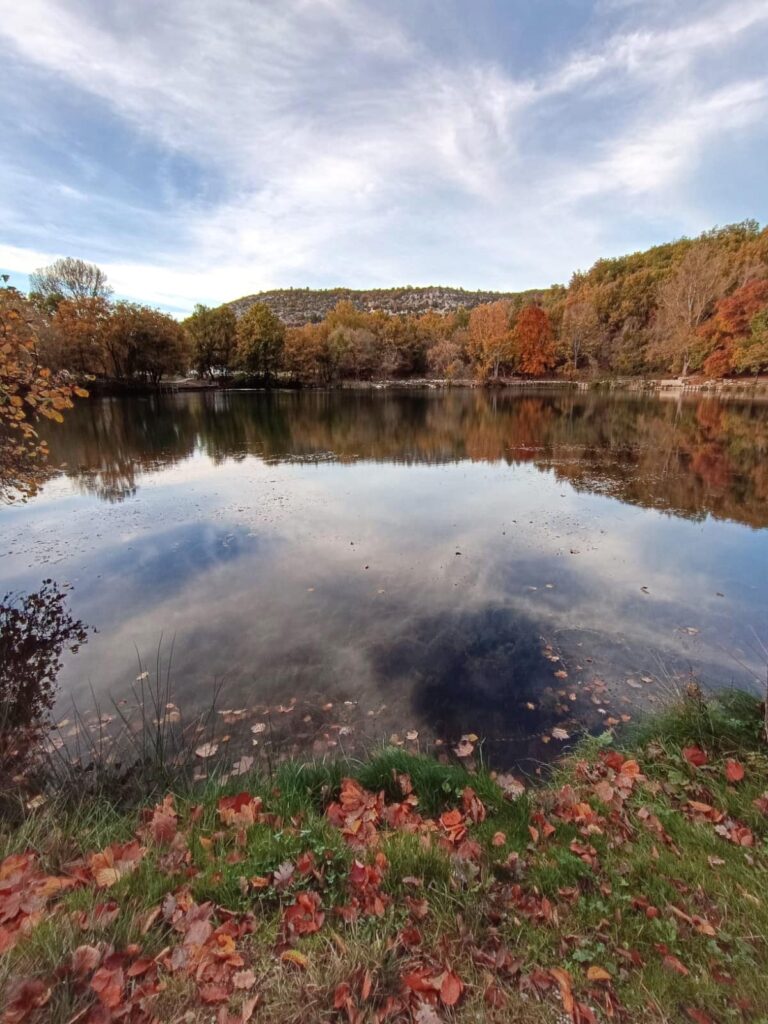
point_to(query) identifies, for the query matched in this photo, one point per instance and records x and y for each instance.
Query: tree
(686, 298)
(730, 322)
(751, 354)
(580, 328)
(69, 278)
(212, 335)
(260, 341)
(534, 345)
(490, 339)
(143, 342)
(78, 327)
(29, 392)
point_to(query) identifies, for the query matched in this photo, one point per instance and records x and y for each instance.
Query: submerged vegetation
(628, 886)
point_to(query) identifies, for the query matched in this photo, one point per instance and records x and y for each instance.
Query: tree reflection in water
(692, 457)
(35, 629)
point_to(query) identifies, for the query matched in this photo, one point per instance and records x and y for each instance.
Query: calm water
(420, 561)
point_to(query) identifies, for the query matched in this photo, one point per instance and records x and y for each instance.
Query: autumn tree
(731, 322)
(70, 278)
(751, 351)
(686, 298)
(490, 339)
(212, 339)
(29, 393)
(260, 341)
(78, 327)
(533, 342)
(144, 343)
(580, 329)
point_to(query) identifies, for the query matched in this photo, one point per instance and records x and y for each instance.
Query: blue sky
(199, 150)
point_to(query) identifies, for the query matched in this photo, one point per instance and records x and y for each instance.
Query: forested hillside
(692, 306)
(299, 306)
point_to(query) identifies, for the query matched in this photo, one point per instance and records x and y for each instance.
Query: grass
(654, 914)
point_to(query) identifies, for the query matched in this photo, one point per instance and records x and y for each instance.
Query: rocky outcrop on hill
(296, 306)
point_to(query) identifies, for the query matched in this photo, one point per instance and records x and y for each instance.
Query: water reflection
(445, 562)
(693, 457)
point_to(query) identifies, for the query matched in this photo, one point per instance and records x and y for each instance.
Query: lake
(355, 565)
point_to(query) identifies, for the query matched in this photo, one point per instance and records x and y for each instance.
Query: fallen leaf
(207, 750)
(734, 771)
(673, 964)
(293, 956)
(560, 734)
(695, 756)
(596, 973)
(451, 988)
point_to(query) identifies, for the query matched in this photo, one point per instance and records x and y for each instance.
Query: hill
(298, 306)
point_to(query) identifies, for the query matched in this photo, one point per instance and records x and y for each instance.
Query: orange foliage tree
(28, 392)
(730, 322)
(534, 342)
(490, 339)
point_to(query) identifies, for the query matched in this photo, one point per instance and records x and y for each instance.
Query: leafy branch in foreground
(29, 392)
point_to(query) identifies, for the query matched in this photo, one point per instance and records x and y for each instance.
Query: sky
(200, 150)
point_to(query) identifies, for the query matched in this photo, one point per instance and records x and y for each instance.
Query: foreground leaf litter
(346, 870)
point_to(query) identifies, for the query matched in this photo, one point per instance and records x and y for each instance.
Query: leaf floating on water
(412, 734)
(259, 727)
(560, 734)
(207, 750)
(243, 766)
(464, 748)
(561, 674)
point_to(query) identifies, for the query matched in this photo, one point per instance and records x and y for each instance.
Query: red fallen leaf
(563, 980)
(761, 803)
(734, 771)
(139, 967)
(495, 997)
(108, 985)
(85, 959)
(342, 995)
(213, 994)
(673, 964)
(420, 980)
(499, 839)
(304, 916)
(110, 865)
(613, 759)
(473, 806)
(695, 756)
(697, 1016)
(410, 937)
(242, 810)
(367, 985)
(162, 824)
(24, 997)
(451, 988)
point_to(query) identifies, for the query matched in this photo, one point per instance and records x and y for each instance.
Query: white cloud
(340, 149)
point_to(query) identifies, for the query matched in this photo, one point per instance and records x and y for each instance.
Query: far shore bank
(732, 387)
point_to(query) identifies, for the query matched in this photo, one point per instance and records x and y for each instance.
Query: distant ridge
(297, 306)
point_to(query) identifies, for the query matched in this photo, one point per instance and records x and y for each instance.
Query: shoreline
(737, 387)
